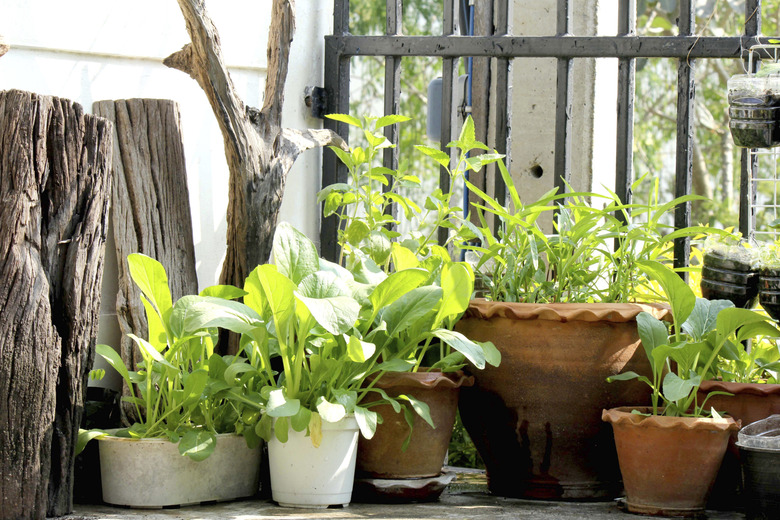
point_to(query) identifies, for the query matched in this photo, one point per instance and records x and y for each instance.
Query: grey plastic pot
(150, 473)
(759, 449)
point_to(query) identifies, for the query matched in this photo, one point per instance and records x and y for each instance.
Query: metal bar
(449, 80)
(333, 171)
(563, 104)
(453, 46)
(624, 166)
(502, 106)
(340, 17)
(748, 160)
(392, 86)
(686, 91)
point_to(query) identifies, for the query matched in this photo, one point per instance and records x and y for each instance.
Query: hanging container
(754, 110)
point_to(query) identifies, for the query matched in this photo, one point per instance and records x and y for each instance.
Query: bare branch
(3, 46)
(280, 38)
(182, 60)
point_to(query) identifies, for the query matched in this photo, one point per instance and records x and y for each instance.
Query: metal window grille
(686, 48)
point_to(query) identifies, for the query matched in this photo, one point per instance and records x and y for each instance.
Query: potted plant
(429, 353)
(670, 452)
(182, 448)
(730, 270)
(754, 105)
(315, 340)
(769, 279)
(560, 308)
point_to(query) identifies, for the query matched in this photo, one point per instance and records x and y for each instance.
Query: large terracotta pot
(668, 463)
(382, 456)
(535, 419)
(751, 402)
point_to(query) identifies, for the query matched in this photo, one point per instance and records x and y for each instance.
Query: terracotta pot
(668, 463)
(751, 402)
(535, 419)
(382, 457)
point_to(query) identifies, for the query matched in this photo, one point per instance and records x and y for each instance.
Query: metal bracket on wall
(316, 98)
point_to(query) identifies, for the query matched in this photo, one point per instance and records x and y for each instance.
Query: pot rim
(622, 415)
(760, 389)
(109, 437)
(425, 380)
(563, 312)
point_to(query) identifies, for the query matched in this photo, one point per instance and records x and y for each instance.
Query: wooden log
(259, 151)
(150, 206)
(54, 187)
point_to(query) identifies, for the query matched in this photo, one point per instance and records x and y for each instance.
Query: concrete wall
(533, 101)
(92, 50)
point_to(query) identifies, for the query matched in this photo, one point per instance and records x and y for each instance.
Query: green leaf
(681, 297)
(198, 444)
(422, 409)
(652, 332)
(357, 231)
(194, 384)
(300, 421)
(295, 255)
(330, 412)
(358, 350)
(436, 154)
(367, 421)
(729, 320)
(702, 319)
(346, 118)
(462, 344)
(227, 292)
(281, 429)
(264, 427)
(396, 365)
(113, 358)
(87, 435)
(403, 257)
(149, 275)
(675, 388)
(336, 315)
(194, 313)
(391, 120)
(395, 286)
(271, 294)
(457, 283)
(279, 406)
(149, 351)
(406, 310)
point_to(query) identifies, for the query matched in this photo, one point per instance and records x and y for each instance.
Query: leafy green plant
(175, 395)
(312, 335)
(683, 358)
(759, 364)
(364, 205)
(592, 256)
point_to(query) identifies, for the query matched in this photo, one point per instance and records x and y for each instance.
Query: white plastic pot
(305, 476)
(150, 473)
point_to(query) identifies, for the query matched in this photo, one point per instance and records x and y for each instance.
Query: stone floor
(466, 498)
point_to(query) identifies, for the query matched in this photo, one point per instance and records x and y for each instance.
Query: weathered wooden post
(54, 189)
(150, 205)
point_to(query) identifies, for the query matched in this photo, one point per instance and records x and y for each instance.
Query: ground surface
(465, 499)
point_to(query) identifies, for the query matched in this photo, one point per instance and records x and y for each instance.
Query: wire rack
(766, 175)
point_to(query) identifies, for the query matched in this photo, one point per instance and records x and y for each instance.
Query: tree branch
(3, 46)
(280, 38)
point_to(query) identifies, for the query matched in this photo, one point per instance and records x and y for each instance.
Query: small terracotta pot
(535, 419)
(751, 402)
(668, 463)
(382, 456)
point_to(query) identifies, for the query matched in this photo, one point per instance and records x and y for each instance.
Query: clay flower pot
(668, 463)
(382, 456)
(751, 402)
(535, 419)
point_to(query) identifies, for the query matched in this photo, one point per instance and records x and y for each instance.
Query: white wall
(90, 50)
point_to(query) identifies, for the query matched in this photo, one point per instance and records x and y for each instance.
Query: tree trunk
(150, 206)
(54, 185)
(259, 152)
